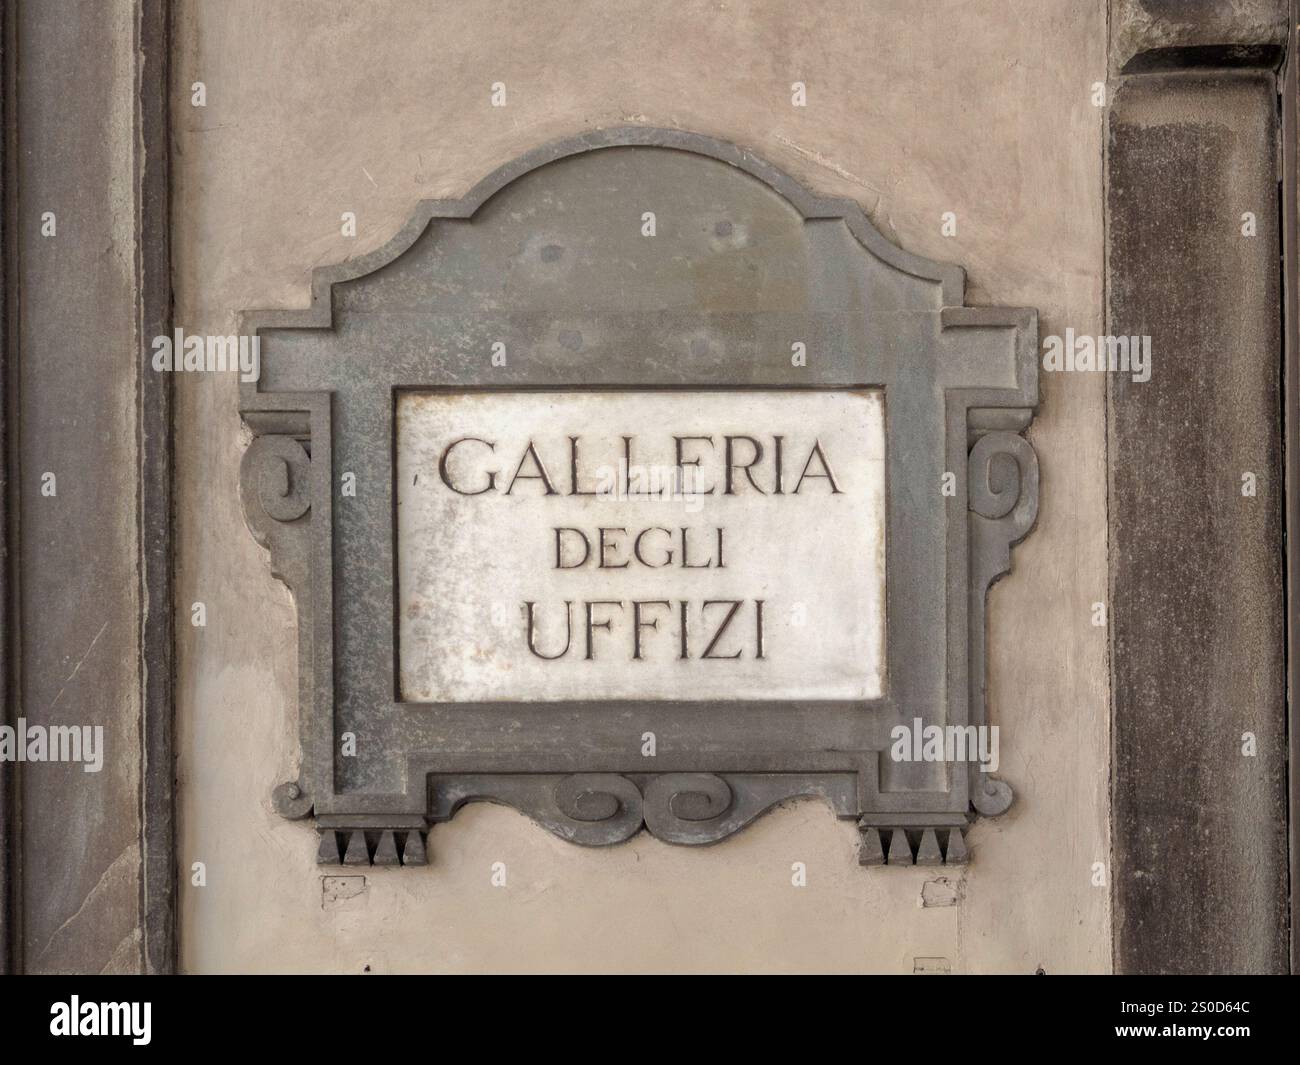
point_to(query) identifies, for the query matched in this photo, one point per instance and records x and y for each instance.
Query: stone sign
(655, 545)
(639, 488)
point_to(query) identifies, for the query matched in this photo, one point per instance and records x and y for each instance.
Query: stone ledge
(1153, 35)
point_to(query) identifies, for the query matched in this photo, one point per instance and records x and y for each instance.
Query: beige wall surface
(979, 107)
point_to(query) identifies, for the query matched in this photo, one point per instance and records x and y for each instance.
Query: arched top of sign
(950, 277)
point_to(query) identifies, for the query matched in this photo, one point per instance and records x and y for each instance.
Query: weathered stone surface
(78, 618)
(1196, 565)
(1149, 35)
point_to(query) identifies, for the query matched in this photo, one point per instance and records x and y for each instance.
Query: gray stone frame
(960, 383)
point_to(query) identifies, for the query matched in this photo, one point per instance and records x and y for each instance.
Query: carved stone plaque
(640, 545)
(640, 488)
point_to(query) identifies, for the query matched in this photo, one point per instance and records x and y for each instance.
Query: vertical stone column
(8, 775)
(1197, 609)
(89, 864)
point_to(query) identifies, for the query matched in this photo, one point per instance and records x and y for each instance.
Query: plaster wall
(979, 108)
